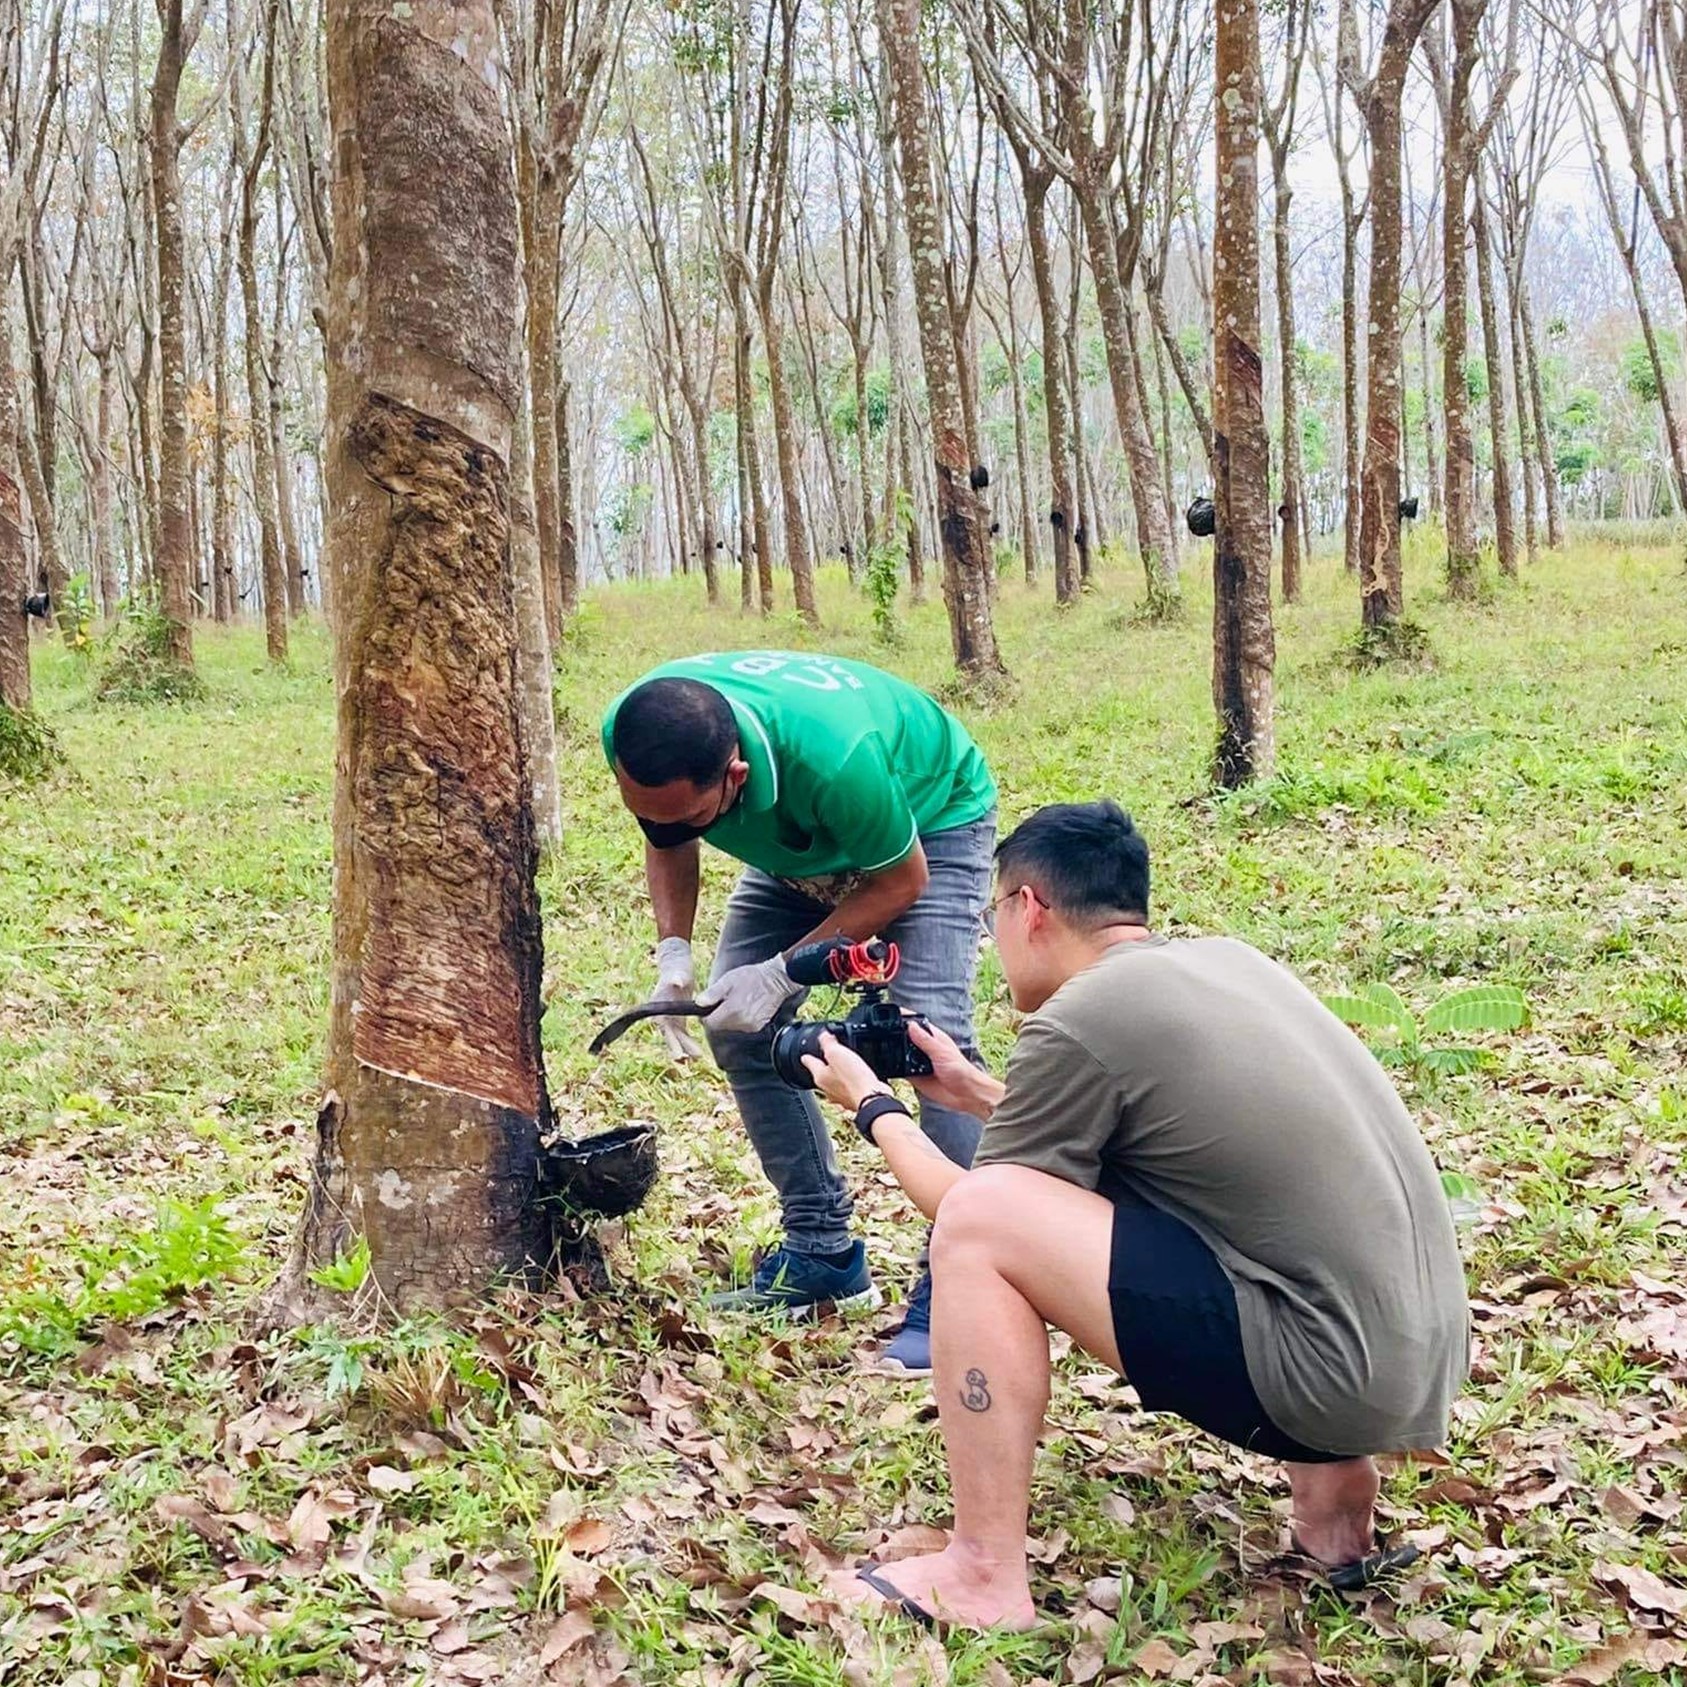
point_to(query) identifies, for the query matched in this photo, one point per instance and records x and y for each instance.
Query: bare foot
(1333, 1509)
(955, 1586)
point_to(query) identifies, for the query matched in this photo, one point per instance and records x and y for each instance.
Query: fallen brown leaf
(1649, 1592)
(1155, 1659)
(798, 1606)
(1649, 1651)
(566, 1633)
(911, 1542)
(588, 1536)
(221, 1489)
(389, 1479)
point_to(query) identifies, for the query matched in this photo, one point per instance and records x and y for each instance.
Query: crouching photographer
(1202, 1176)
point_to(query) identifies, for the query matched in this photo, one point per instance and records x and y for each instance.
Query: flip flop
(1389, 1556)
(894, 1597)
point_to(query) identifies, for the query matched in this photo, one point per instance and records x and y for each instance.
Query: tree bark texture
(1381, 594)
(173, 560)
(1350, 421)
(1459, 502)
(961, 519)
(797, 555)
(1537, 408)
(1505, 531)
(1293, 455)
(15, 584)
(537, 708)
(257, 383)
(428, 1137)
(541, 229)
(1244, 648)
(1057, 412)
(105, 505)
(222, 503)
(1153, 530)
(568, 531)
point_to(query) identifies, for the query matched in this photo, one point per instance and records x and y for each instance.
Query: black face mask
(669, 834)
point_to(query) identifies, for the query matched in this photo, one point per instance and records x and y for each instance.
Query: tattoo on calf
(976, 1395)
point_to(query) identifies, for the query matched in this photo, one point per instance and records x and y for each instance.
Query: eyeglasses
(988, 916)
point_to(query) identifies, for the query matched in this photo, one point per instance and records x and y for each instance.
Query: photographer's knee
(977, 1210)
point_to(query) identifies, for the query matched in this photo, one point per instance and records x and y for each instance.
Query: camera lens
(790, 1044)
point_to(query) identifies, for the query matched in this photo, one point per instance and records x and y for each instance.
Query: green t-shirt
(848, 765)
(1208, 1080)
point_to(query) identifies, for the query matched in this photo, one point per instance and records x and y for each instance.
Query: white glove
(746, 998)
(675, 977)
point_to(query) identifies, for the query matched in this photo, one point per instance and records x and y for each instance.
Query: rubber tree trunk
(222, 504)
(1057, 411)
(173, 560)
(1460, 497)
(427, 1141)
(1244, 648)
(797, 555)
(1537, 408)
(1350, 423)
(1381, 594)
(1505, 529)
(961, 521)
(533, 685)
(1293, 496)
(105, 505)
(1526, 464)
(1153, 530)
(271, 565)
(568, 531)
(15, 584)
(541, 211)
(286, 499)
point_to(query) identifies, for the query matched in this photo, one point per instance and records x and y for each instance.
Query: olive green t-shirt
(1207, 1079)
(849, 765)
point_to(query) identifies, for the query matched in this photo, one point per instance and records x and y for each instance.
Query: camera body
(875, 1028)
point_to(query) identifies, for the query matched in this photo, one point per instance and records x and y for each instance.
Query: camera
(875, 1028)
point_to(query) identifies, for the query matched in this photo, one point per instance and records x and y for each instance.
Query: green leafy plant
(76, 617)
(29, 748)
(347, 1273)
(1481, 1007)
(884, 572)
(188, 1246)
(139, 667)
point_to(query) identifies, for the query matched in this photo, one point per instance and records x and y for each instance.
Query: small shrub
(29, 748)
(187, 1247)
(1394, 644)
(76, 617)
(139, 667)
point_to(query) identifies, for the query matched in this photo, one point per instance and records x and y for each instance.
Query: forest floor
(627, 1489)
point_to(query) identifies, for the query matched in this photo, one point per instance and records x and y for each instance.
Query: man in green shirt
(1203, 1177)
(859, 807)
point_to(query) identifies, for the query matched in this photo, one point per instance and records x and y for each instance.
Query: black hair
(1086, 859)
(668, 729)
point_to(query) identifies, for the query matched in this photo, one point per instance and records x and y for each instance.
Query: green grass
(422, 1503)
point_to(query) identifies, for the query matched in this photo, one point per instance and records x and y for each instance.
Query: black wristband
(873, 1109)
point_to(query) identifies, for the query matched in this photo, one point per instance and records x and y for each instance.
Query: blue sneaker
(909, 1354)
(799, 1285)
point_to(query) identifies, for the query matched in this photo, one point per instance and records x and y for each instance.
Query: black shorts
(1175, 1319)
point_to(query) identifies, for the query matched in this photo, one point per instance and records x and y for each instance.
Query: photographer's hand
(676, 978)
(748, 997)
(954, 1082)
(842, 1076)
(925, 1173)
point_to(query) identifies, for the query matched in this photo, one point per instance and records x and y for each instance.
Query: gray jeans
(938, 938)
